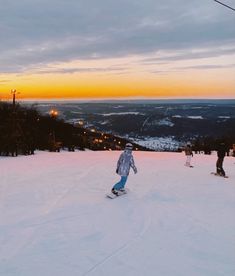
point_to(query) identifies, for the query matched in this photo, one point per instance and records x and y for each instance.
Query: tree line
(23, 130)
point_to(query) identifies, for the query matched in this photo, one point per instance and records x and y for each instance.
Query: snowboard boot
(114, 192)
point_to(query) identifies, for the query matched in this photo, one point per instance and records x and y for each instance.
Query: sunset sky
(125, 48)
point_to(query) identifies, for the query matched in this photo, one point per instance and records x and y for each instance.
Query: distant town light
(53, 113)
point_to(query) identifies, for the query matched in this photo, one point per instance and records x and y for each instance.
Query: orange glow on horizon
(137, 82)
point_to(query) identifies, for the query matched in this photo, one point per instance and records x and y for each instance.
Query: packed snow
(121, 113)
(195, 117)
(177, 116)
(175, 220)
(165, 122)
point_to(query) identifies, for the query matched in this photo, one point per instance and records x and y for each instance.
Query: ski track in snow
(146, 225)
(70, 189)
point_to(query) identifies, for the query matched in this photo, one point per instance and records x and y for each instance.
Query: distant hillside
(176, 121)
(24, 129)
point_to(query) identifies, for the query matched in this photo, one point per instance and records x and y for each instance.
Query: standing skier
(221, 151)
(189, 154)
(125, 162)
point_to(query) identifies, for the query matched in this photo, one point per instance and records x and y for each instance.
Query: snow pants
(121, 183)
(219, 166)
(188, 161)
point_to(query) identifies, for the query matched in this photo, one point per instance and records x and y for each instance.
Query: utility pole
(14, 137)
(13, 92)
(16, 131)
(53, 113)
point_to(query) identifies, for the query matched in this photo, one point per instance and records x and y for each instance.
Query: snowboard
(112, 195)
(216, 174)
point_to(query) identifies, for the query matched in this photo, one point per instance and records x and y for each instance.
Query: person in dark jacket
(125, 162)
(221, 151)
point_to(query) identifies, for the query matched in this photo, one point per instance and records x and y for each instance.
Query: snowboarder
(125, 162)
(221, 151)
(189, 154)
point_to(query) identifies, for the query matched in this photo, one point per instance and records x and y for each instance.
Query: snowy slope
(56, 221)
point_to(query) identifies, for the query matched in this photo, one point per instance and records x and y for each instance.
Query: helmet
(129, 146)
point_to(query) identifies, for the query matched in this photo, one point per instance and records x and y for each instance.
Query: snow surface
(159, 143)
(165, 122)
(195, 117)
(175, 221)
(177, 116)
(121, 113)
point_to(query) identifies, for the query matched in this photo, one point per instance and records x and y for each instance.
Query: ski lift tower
(16, 136)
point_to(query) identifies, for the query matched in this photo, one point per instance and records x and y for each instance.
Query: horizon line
(69, 99)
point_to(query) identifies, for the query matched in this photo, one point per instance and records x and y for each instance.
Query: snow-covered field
(160, 143)
(56, 221)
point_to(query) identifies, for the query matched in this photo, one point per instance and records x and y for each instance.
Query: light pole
(16, 130)
(53, 113)
(13, 92)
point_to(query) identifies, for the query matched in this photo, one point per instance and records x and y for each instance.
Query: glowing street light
(13, 92)
(53, 113)
(81, 123)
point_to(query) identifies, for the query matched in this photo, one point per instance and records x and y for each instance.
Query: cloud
(206, 67)
(194, 67)
(42, 32)
(78, 70)
(3, 81)
(189, 54)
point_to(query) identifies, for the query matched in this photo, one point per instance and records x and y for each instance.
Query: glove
(117, 170)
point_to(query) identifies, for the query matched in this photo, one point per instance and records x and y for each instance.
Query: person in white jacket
(189, 154)
(125, 162)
